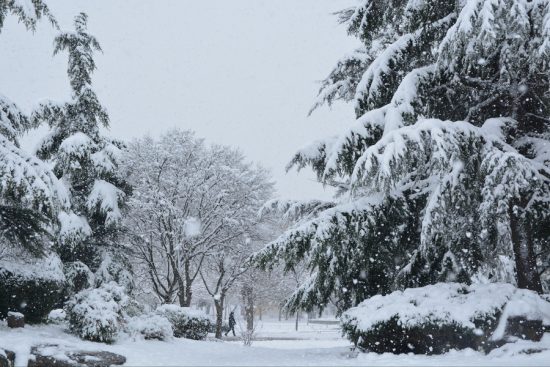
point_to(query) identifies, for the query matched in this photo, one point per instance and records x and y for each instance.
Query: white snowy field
(317, 345)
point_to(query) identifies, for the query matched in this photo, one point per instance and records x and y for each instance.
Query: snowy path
(322, 347)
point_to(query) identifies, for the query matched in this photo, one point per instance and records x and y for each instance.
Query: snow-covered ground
(316, 345)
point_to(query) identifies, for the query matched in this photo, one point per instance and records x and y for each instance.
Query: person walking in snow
(231, 323)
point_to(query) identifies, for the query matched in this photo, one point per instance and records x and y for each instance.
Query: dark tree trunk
(297, 319)
(185, 285)
(188, 286)
(181, 284)
(248, 298)
(183, 300)
(526, 265)
(218, 304)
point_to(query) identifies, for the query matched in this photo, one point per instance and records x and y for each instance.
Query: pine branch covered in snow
(30, 195)
(29, 12)
(294, 210)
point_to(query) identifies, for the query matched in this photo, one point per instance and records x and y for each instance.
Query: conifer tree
(445, 175)
(85, 160)
(30, 195)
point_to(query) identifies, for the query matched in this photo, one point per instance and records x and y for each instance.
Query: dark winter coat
(232, 320)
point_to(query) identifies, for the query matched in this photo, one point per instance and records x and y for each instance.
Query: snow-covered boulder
(96, 314)
(33, 287)
(7, 358)
(150, 326)
(53, 355)
(16, 320)
(186, 322)
(437, 318)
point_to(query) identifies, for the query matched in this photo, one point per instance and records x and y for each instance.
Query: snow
(525, 304)
(192, 227)
(95, 313)
(105, 159)
(404, 98)
(31, 176)
(73, 226)
(327, 350)
(175, 309)
(46, 268)
(150, 326)
(449, 303)
(106, 196)
(57, 315)
(12, 121)
(28, 9)
(372, 81)
(78, 145)
(295, 210)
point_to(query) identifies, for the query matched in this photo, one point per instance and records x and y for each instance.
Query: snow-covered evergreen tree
(85, 160)
(30, 195)
(445, 175)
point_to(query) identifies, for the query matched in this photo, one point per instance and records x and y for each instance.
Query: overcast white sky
(238, 72)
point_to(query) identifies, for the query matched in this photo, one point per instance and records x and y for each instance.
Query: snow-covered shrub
(440, 317)
(150, 326)
(212, 327)
(115, 267)
(95, 314)
(33, 288)
(57, 316)
(247, 336)
(134, 308)
(186, 322)
(78, 275)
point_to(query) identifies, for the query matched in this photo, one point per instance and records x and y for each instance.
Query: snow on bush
(31, 286)
(440, 317)
(105, 198)
(150, 326)
(57, 316)
(46, 268)
(186, 322)
(78, 276)
(95, 314)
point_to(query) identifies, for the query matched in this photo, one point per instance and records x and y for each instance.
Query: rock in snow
(16, 319)
(52, 355)
(7, 358)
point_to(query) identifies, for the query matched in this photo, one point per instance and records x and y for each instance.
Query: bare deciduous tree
(186, 197)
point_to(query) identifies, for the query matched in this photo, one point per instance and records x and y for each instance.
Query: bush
(212, 327)
(57, 316)
(33, 289)
(133, 308)
(96, 314)
(115, 267)
(441, 317)
(79, 276)
(186, 323)
(150, 326)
